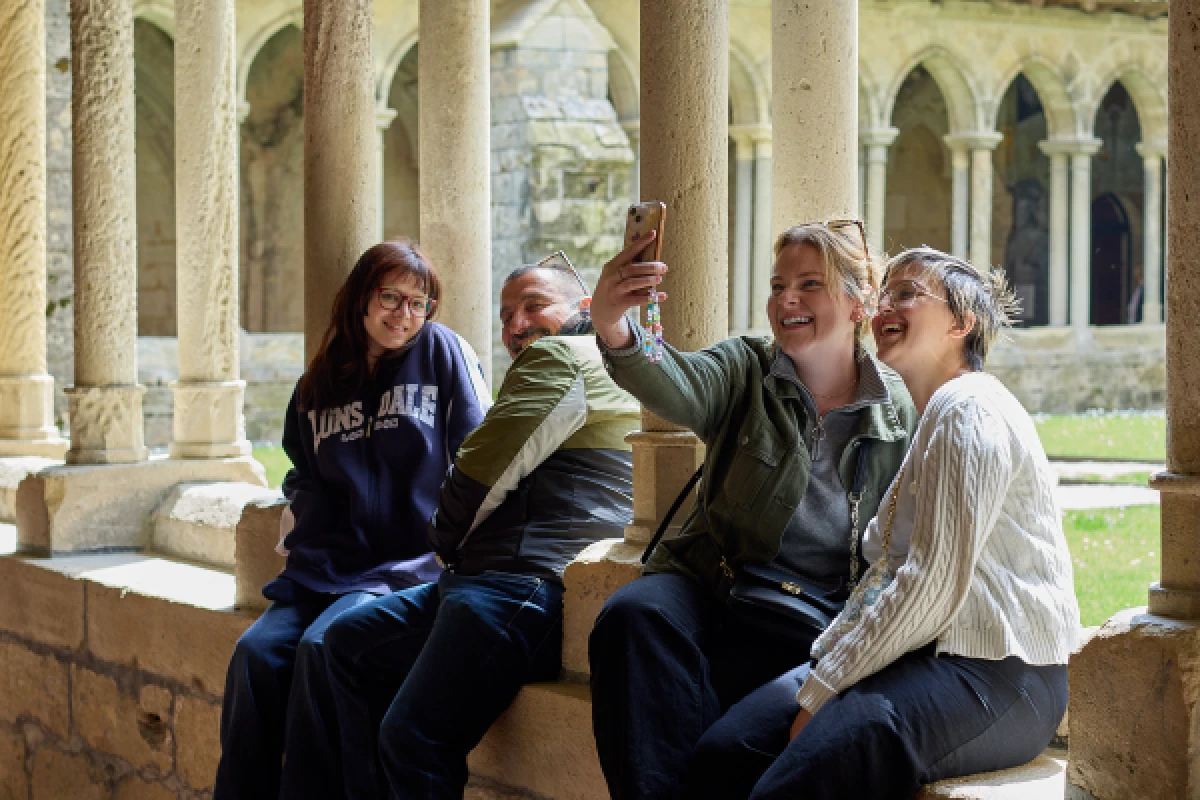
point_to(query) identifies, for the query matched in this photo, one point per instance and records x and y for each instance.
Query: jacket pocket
(753, 463)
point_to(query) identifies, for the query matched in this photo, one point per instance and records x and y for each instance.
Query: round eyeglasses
(904, 294)
(391, 300)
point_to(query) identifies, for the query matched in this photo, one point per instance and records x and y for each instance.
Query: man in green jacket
(420, 675)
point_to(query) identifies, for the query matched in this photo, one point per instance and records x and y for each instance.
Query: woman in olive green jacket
(786, 421)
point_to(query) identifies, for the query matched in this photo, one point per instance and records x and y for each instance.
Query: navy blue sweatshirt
(366, 475)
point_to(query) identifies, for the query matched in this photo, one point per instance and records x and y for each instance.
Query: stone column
(1059, 230)
(1135, 720)
(633, 130)
(208, 420)
(743, 200)
(685, 164)
(455, 135)
(1152, 157)
(960, 195)
(26, 390)
(876, 143)
(384, 118)
(340, 215)
(1081, 232)
(814, 93)
(106, 401)
(982, 145)
(763, 248)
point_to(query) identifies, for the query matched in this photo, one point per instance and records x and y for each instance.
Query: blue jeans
(922, 719)
(275, 686)
(420, 675)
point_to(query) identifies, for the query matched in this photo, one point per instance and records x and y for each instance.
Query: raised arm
(964, 475)
(542, 402)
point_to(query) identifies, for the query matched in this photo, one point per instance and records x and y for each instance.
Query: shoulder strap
(662, 526)
(860, 469)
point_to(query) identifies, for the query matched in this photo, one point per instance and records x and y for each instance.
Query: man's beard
(528, 337)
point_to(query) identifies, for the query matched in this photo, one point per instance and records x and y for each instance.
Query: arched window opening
(1118, 201)
(401, 174)
(919, 205)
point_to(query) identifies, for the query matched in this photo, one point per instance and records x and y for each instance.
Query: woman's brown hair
(339, 369)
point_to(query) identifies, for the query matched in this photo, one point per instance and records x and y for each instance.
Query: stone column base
(1135, 720)
(106, 424)
(27, 417)
(662, 463)
(208, 420)
(99, 508)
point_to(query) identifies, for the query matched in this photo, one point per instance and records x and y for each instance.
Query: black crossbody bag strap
(860, 476)
(662, 526)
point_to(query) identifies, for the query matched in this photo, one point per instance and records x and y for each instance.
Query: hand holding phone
(643, 218)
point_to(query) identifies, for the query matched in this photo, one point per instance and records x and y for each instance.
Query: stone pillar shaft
(814, 90)
(340, 214)
(26, 390)
(981, 198)
(1059, 233)
(1081, 233)
(1152, 157)
(384, 118)
(877, 143)
(455, 135)
(763, 258)
(208, 420)
(960, 196)
(106, 401)
(685, 157)
(743, 220)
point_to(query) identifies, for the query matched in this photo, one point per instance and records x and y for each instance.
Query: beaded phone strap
(653, 343)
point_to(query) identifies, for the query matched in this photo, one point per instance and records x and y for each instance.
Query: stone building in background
(1030, 135)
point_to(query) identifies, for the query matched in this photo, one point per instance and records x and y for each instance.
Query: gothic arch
(952, 80)
(623, 88)
(1148, 100)
(391, 66)
(747, 95)
(1048, 82)
(292, 15)
(160, 13)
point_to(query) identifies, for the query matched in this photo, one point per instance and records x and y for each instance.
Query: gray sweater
(816, 542)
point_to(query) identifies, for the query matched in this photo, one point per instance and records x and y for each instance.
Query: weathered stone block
(177, 641)
(131, 722)
(257, 561)
(40, 604)
(1133, 719)
(14, 782)
(57, 776)
(34, 685)
(81, 508)
(134, 788)
(1040, 779)
(589, 581)
(197, 520)
(12, 472)
(544, 744)
(197, 732)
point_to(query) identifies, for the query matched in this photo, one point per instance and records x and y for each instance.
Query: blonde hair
(847, 262)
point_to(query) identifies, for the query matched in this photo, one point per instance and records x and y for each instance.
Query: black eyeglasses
(392, 300)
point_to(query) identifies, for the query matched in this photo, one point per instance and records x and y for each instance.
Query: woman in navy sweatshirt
(371, 430)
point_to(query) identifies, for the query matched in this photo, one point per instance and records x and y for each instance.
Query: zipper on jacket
(817, 435)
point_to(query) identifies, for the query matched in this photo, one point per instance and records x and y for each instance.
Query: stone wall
(104, 694)
(1050, 371)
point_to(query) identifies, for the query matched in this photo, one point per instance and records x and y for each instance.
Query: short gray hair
(984, 293)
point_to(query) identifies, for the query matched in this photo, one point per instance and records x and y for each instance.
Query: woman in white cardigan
(951, 657)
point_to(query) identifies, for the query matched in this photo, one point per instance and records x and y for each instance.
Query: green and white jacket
(547, 473)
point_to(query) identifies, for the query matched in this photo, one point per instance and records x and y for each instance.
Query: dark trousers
(665, 665)
(922, 719)
(420, 675)
(275, 686)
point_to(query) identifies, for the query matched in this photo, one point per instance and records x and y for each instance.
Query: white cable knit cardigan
(988, 573)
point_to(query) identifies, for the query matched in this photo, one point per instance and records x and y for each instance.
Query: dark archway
(1112, 261)
(401, 174)
(1118, 209)
(1021, 200)
(918, 206)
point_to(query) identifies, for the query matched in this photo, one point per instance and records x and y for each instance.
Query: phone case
(642, 218)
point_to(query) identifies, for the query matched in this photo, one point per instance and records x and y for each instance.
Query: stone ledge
(1044, 778)
(197, 521)
(70, 509)
(13, 470)
(589, 581)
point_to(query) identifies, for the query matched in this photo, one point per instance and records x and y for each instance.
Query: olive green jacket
(757, 463)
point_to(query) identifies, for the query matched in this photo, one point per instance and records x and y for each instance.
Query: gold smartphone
(641, 219)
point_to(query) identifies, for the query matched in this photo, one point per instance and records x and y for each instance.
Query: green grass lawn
(276, 463)
(1115, 553)
(1113, 436)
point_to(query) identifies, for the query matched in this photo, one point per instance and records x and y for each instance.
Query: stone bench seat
(112, 668)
